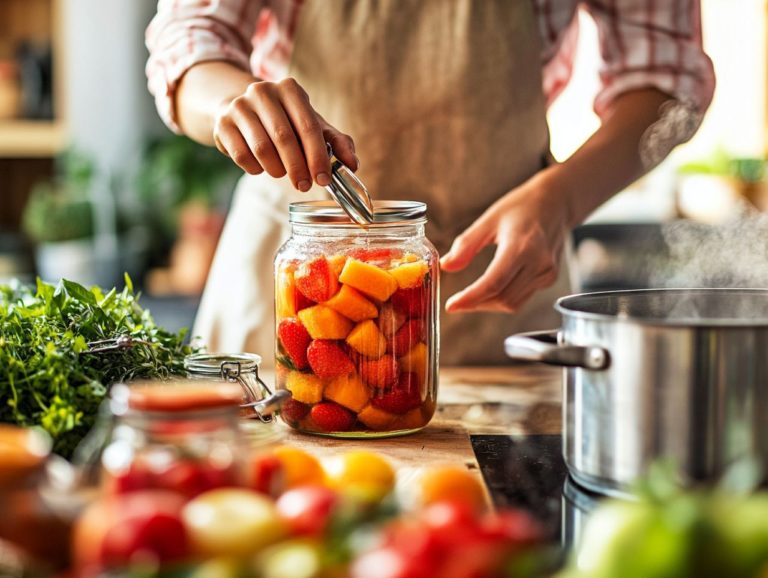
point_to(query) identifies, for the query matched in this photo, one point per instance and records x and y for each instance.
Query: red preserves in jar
(357, 321)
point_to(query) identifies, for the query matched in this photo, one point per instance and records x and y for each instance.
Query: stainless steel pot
(660, 373)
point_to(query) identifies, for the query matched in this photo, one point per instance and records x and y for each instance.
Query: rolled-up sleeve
(652, 43)
(186, 32)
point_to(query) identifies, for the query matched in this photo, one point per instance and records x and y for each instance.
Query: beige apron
(444, 101)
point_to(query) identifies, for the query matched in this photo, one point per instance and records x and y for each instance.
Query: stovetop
(528, 472)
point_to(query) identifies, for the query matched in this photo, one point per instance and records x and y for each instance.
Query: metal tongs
(349, 192)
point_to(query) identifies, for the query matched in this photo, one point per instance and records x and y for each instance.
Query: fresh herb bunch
(47, 378)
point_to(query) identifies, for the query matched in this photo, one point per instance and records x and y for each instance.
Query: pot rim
(566, 306)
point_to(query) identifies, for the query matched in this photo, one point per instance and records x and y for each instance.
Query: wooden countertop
(515, 399)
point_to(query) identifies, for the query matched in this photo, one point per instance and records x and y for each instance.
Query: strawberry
(293, 411)
(390, 320)
(295, 339)
(316, 280)
(402, 398)
(380, 373)
(408, 336)
(328, 360)
(411, 302)
(328, 417)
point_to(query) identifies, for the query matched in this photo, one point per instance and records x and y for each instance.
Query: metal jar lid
(350, 192)
(230, 367)
(386, 213)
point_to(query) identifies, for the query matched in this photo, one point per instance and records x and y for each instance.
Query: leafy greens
(47, 378)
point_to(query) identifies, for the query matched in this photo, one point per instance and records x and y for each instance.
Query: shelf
(31, 138)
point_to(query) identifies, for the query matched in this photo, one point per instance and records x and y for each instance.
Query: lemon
(360, 474)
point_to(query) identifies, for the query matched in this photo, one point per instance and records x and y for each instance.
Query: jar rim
(212, 363)
(174, 397)
(386, 213)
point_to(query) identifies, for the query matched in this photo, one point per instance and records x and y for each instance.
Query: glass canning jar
(182, 436)
(357, 321)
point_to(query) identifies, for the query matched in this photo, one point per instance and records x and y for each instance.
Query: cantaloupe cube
(410, 275)
(414, 419)
(369, 279)
(416, 361)
(349, 391)
(305, 387)
(366, 338)
(352, 305)
(285, 293)
(337, 264)
(375, 418)
(324, 323)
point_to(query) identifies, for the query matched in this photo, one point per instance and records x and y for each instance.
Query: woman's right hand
(272, 127)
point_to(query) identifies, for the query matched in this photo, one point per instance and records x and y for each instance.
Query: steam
(734, 254)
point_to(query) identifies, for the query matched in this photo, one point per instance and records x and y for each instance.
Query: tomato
(117, 529)
(267, 474)
(307, 510)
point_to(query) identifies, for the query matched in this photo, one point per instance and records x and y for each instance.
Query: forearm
(202, 90)
(609, 160)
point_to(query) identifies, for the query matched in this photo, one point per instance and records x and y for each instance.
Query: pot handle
(542, 346)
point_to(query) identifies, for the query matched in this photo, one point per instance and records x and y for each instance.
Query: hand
(272, 127)
(528, 227)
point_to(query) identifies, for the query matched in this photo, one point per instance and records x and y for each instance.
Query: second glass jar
(357, 321)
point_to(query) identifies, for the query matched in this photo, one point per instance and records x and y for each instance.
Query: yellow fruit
(452, 483)
(366, 338)
(285, 293)
(363, 474)
(304, 387)
(231, 522)
(416, 361)
(337, 264)
(349, 391)
(414, 419)
(351, 304)
(324, 323)
(410, 275)
(299, 467)
(375, 418)
(369, 279)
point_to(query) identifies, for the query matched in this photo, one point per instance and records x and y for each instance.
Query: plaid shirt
(643, 43)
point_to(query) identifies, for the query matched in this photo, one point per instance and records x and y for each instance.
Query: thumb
(466, 246)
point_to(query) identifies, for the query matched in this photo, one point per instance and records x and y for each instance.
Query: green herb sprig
(47, 379)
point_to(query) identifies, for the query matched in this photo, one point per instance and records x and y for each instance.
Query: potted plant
(60, 218)
(187, 187)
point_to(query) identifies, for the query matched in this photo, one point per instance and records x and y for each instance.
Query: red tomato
(389, 562)
(136, 477)
(267, 475)
(116, 530)
(447, 516)
(307, 510)
(185, 477)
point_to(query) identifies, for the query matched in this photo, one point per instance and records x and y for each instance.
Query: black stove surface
(528, 472)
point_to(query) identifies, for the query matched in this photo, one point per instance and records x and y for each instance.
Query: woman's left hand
(528, 226)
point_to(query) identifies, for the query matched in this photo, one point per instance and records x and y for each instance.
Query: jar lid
(220, 363)
(386, 213)
(349, 192)
(176, 396)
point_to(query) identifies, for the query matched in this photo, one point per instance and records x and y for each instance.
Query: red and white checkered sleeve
(186, 32)
(653, 43)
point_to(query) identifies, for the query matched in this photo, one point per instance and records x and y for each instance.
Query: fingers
(502, 270)
(503, 287)
(273, 128)
(467, 245)
(307, 125)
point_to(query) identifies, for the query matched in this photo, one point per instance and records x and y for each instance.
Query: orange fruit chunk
(415, 360)
(366, 338)
(414, 419)
(368, 279)
(351, 304)
(304, 387)
(410, 275)
(348, 391)
(375, 418)
(324, 323)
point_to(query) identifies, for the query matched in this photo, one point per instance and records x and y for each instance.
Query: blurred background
(92, 184)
